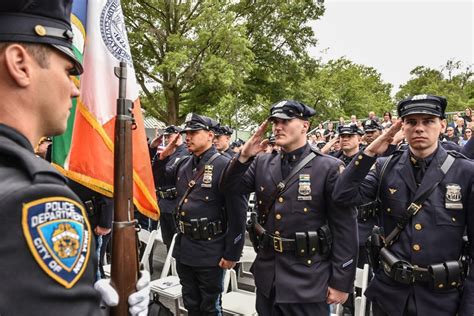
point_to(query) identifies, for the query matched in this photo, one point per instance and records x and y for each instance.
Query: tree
(223, 58)
(452, 81)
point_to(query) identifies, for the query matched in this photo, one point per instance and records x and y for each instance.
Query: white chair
(360, 302)
(239, 301)
(169, 286)
(361, 281)
(149, 239)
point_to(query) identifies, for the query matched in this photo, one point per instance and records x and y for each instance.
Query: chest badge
(304, 188)
(58, 236)
(392, 191)
(207, 177)
(453, 196)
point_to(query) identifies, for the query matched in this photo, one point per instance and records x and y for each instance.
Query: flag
(85, 152)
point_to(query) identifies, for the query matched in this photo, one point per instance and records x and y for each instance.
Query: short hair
(40, 52)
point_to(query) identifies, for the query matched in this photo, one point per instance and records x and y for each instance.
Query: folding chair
(145, 237)
(360, 302)
(239, 301)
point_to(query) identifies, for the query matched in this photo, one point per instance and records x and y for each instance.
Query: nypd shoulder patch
(59, 237)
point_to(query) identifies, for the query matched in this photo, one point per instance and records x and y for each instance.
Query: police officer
(349, 137)
(372, 130)
(165, 189)
(307, 245)
(222, 140)
(46, 256)
(211, 221)
(428, 194)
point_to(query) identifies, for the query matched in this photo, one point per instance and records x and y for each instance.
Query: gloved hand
(138, 301)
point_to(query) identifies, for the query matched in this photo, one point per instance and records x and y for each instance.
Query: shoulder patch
(59, 237)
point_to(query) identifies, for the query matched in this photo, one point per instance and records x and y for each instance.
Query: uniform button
(360, 157)
(418, 226)
(305, 209)
(277, 232)
(389, 209)
(309, 261)
(259, 202)
(416, 247)
(207, 198)
(302, 250)
(280, 199)
(183, 213)
(278, 216)
(185, 200)
(440, 285)
(454, 284)
(453, 219)
(356, 163)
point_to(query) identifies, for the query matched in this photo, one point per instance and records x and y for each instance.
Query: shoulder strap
(382, 172)
(282, 185)
(193, 182)
(416, 205)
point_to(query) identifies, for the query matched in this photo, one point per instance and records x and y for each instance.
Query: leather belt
(200, 229)
(169, 194)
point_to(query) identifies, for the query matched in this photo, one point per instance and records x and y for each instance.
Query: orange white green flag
(85, 152)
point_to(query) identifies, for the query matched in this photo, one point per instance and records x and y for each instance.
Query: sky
(395, 36)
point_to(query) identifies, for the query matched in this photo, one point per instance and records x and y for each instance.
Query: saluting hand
(381, 143)
(255, 145)
(170, 148)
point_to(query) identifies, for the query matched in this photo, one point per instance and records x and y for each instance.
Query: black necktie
(196, 161)
(419, 170)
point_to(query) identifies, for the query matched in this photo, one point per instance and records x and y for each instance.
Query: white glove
(137, 301)
(107, 292)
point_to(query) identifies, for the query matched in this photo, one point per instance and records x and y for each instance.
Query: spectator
(459, 128)
(329, 132)
(454, 120)
(450, 136)
(341, 121)
(353, 120)
(467, 136)
(387, 120)
(467, 116)
(372, 116)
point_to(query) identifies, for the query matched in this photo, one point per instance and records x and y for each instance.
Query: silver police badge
(304, 188)
(453, 196)
(207, 177)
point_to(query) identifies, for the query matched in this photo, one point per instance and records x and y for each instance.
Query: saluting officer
(222, 140)
(307, 244)
(211, 222)
(165, 189)
(349, 138)
(46, 253)
(426, 204)
(372, 130)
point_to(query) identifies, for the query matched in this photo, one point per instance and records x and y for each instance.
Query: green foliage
(452, 81)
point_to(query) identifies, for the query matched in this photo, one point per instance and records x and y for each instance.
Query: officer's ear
(443, 124)
(305, 126)
(18, 64)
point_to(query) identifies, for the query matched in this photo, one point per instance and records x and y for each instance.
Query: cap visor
(282, 116)
(420, 111)
(78, 69)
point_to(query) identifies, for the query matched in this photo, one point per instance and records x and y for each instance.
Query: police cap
(39, 22)
(224, 130)
(371, 126)
(290, 109)
(350, 129)
(195, 122)
(172, 130)
(271, 139)
(422, 104)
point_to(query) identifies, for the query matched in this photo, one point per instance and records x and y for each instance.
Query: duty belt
(169, 194)
(304, 244)
(367, 211)
(200, 229)
(445, 275)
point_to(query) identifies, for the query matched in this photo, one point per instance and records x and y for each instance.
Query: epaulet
(37, 169)
(456, 154)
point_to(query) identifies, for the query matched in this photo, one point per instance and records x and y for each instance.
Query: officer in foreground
(211, 222)
(166, 190)
(46, 255)
(307, 244)
(427, 192)
(222, 140)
